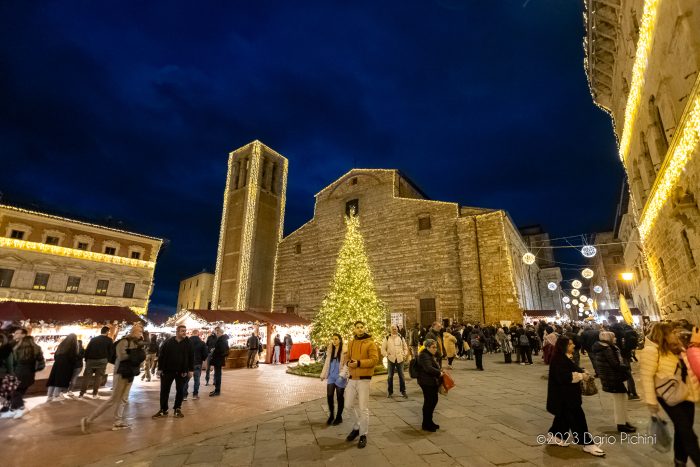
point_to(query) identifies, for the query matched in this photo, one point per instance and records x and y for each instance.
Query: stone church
(430, 259)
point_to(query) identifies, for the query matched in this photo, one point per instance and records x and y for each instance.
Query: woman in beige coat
(662, 360)
(450, 343)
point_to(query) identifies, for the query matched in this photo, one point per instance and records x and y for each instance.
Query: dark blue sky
(129, 109)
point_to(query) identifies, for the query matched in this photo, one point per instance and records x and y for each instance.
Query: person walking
(211, 343)
(276, 350)
(8, 380)
(564, 399)
(590, 336)
(288, 344)
(76, 371)
(64, 362)
(476, 341)
(434, 334)
(29, 359)
(97, 355)
(630, 341)
(128, 356)
(199, 356)
(613, 373)
(450, 347)
(252, 345)
(218, 359)
(429, 374)
(336, 359)
(663, 360)
(362, 358)
(175, 363)
(395, 350)
(524, 347)
(150, 363)
(414, 339)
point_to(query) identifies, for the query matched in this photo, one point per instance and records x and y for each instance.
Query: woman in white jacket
(662, 360)
(336, 358)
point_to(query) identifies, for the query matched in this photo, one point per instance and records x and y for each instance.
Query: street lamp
(627, 276)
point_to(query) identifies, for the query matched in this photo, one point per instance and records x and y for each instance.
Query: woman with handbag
(429, 380)
(613, 373)
(669, 381)
(64, 363)
(28, 360)
(564, 399)
(335, 372)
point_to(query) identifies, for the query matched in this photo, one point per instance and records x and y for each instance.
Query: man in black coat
(218, 359)
(588, 338)
(96, 357)
(199, 356)
(175, 363)
(211, 343)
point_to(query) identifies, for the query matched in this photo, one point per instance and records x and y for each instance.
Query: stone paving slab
(492, 418)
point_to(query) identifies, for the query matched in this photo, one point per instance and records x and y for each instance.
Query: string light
(589, 251)
(566, 299)
(597, 289)
(575, 293)
(552, 286)
(583, 298)
(587, 273)
(576, 284)
(641, 61)
(575, 302)
(529, 258)
(568, 306)
(590, 301)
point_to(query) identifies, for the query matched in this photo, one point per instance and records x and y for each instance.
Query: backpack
(631, 339)
(476, 342)
(113, 355)
(523, 340)
(413, 368)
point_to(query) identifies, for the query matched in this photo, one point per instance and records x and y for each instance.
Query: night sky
(124, 112)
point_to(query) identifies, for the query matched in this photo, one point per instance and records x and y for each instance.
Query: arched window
(688, 249)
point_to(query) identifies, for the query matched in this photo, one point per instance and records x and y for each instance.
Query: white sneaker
(49, 399)
(593, 450)
(68, 395)
(7, 414)
(19, 414)
(557, 441)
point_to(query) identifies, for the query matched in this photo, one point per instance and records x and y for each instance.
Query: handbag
(343, 374)
(672, 389)
(447, 382)
(589, 388)
(658, 428)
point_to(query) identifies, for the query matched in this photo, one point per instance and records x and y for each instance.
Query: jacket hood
(362, 337)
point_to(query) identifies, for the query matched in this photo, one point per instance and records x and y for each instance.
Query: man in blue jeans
(199, 355)
(395, 349)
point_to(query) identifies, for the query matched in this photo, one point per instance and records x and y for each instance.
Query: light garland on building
(280, 232)
(251, 205)
(73, 253)
(682, 149)
(639, 68)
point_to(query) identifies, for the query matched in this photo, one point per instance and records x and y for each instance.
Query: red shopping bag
(447, 381)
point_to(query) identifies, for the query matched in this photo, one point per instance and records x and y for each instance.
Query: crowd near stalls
(284, 330)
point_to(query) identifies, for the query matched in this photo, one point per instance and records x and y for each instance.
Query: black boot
(339, 416)
(330, 410)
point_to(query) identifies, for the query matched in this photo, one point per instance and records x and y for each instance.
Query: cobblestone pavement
(491, 418)
(50, 433)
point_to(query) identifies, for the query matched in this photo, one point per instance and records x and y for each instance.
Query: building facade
(430, 259)
(251, 228)
(538, 243)
(195, 292)
(642, 61)
(47, 258)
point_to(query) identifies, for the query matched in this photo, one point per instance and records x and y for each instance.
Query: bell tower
(251, 228)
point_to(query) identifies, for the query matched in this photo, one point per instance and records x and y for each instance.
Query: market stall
(548, 316)
(282, 324)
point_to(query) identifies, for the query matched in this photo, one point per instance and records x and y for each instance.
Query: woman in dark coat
(613, 374)
(564, 399)
(64, 363)
(429, 375)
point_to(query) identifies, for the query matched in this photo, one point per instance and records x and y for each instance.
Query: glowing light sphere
(590, 301)
(552, 286)
(576, 284)
(529, 258)
(583, 298)
(566, 299)
(568, 306)
(305, 360)
(580, 313)
(587, 273)
(597, 289)
(589, 251)
(575, 302)
(602, 303)
(575, 293)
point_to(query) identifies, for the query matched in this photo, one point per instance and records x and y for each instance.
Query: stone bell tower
(251, 228)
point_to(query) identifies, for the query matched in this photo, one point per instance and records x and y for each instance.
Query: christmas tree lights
(352, 296)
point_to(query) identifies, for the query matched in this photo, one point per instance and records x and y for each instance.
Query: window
(6, 277)
(197, 283)
(289, 309)
(101, 287)
(297, 248)
(424, 223)
(617, 259)
(135, 255)
(110, 250)
(352, 206)
(41, 280)
(208, 305)
(353, 181)
(662, 269)
(129, 290)
(18, 234)
(51, 240)
(688, 249)
(73, 284)
(82, 246)
(427, 311)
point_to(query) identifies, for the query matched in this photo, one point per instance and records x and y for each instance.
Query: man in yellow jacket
(362, 358)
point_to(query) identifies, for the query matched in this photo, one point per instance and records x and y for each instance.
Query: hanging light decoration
(566, 299)
(576, 284)
(575, 293)
(589, 251)
(529, 258)
(552, 286)
(575, 302)
(583, 298)
(590, 301)
(568, 306)
(597, 289)
(587, 273)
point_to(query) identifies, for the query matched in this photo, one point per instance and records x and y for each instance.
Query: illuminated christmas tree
(352, 296)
